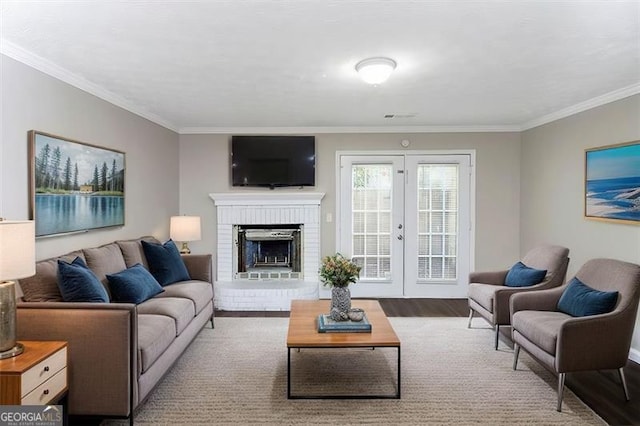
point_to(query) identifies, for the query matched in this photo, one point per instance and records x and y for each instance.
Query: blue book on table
(327, 325)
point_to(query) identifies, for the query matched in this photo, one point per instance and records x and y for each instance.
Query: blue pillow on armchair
(520, 275)
(77, 283)
(580, 300)
(165, 263)
(133, 285)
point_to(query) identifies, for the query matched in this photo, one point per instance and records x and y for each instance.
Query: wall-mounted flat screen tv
(273, 161)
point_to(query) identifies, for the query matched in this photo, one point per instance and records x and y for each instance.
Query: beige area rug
(237, 372)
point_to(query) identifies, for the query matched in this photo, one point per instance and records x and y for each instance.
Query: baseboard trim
(634, 355)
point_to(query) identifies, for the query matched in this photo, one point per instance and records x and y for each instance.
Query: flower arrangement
(338, 271)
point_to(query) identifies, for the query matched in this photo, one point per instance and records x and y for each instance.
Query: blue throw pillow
(520, 275)
(133, 285)
(580, 300)
(165, 263)
(77, 283)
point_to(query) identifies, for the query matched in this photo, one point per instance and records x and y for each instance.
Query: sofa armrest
(539, 300)
(199, 266)
(494, 278)
(102, 351)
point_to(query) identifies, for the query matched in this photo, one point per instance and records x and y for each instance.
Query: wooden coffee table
(303, 333)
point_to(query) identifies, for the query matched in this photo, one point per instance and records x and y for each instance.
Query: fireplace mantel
(266, 198)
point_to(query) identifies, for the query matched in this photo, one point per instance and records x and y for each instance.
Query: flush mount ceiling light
(375, 70)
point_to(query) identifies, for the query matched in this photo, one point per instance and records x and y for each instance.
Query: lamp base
(16, 350)
(185, 249)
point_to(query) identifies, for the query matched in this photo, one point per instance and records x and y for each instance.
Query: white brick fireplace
(277, 208)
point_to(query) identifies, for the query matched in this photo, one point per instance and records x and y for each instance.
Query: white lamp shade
(375, 70)
(17, 249)
(185, 228)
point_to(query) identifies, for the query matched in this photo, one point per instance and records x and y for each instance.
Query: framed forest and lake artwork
(612, 183)
(75, 186)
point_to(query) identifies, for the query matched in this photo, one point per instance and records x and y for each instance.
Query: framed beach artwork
(612, 183)
(74, 186)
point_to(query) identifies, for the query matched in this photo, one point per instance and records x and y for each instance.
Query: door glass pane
(372, 245)
(437, 221)
(358, 245)
(358, 198)
(371, 224)
(385, 245)
(358, 222)
(385, 222)
(371, 209)
(384, 198)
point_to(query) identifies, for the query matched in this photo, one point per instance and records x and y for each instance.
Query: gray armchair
(489, 296)
(564, 343)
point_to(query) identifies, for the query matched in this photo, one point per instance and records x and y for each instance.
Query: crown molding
(266, 198)
(14, 51)
(347, 129)
(607, 98)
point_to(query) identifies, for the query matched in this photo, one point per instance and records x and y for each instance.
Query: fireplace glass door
(268, 252)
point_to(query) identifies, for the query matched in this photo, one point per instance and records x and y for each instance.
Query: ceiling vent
(401, 115)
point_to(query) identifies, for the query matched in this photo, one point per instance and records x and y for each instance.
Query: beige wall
(529, 185)
(32, 100)
(204, 168)
(553, 187)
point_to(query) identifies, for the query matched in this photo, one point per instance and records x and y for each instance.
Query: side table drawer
(43, 371)
(44, 393)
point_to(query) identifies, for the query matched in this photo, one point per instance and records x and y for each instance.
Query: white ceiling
(260, 66)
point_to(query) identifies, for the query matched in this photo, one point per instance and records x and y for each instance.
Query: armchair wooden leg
(516, 354)
(560, 391)
(497, 335)
(470, 318)
(624, 383)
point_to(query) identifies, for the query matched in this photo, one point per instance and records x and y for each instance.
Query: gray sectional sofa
(118, 352)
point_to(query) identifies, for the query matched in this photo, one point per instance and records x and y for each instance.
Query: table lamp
(17, 260)
(185, 228)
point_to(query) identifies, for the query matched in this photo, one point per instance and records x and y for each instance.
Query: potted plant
(337, 272)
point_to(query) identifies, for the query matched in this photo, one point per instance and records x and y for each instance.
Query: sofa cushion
(199, 292)
(132, 251)
(181, 310)
(580, 300)
(483, 294)
(133, 285)
(520, 275)
(165, 262)
(540, 327)
(78, 284)
(43, 286)
(155, 334)
(105, 260)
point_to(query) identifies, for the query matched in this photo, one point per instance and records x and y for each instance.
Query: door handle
(400, 237)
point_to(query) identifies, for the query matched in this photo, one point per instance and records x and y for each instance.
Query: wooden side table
(38, 376)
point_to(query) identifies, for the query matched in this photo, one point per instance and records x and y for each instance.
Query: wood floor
(600, 390)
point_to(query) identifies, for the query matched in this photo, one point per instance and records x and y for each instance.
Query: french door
(406, 220)
(371, 222)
